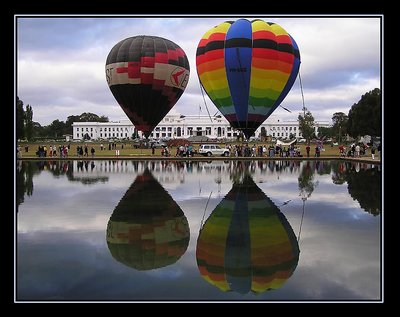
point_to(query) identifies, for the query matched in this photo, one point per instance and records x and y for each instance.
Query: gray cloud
(61, 61)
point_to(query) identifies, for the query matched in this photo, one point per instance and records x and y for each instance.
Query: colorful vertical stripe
(247, 69)
(247, 244)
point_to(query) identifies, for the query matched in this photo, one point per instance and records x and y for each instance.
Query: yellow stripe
(221, 28)
(273, 84)
(269, 74)
(264, 26)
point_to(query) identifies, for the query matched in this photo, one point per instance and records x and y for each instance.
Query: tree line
(363, 118)
(31, 130)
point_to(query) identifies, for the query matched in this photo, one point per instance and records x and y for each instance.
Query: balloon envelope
(147, 75)
(247, 244)
(147, 229)
(247, 69)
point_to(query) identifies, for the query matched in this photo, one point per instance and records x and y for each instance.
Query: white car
(213, 149)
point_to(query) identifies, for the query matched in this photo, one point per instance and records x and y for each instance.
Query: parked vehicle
(213, 149)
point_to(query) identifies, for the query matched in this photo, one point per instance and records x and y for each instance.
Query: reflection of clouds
(62, 236)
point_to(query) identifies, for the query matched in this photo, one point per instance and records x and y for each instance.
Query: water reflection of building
(247, 244)
(147, 229)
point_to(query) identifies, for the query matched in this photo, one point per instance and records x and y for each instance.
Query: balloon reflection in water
(147, 229)
(247, 244)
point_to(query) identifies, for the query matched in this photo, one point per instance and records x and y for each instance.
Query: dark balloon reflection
(247, 244)
(147, 229)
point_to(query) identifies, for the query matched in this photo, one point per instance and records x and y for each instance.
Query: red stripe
(214, 54)
(202, 43)
(269, 53)
(172, 55)
(161, 58)
(284, 39)
(146, 79)
(158, 84)
(261, 35)
(180, 52)
(147, 61)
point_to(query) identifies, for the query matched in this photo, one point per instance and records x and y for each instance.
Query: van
(213, 149)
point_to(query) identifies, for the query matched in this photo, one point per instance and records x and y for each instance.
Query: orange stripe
(271, 65)
(210, 66)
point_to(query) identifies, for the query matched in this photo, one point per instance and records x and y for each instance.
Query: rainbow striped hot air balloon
(147, 233)
(247, 69)
(247, 244)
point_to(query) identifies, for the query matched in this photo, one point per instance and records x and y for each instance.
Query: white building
(175, 125)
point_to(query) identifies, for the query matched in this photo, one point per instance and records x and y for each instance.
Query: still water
(198, 231)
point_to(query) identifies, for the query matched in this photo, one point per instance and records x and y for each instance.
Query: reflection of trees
(27, 169)
(24, 179)
(338, 172)
(306, 180)
(365, 187)
(363, 184)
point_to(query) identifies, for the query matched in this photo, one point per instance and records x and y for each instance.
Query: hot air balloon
(247, 244)
(147, 75)
(247, 69)
(147, 229)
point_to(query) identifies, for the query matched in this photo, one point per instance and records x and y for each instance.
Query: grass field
(127, 149)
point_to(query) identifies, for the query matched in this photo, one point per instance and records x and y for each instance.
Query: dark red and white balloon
(147, 75)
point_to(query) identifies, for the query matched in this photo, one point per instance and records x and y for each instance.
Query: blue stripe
(238, 68)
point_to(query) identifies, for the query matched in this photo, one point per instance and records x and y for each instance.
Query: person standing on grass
(308, 148)
(92, 151)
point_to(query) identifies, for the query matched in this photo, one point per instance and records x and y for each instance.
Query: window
(87, 129)
(101, 129)
(91, 129)
(77, 129)
(77, 135)
(169, 129)
(101, 135)
(91, 135)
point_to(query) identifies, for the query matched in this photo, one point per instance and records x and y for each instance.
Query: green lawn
(128, 149)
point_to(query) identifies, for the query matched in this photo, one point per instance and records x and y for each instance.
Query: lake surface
(198, 231)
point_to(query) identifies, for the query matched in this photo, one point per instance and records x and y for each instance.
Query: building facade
(175, 125)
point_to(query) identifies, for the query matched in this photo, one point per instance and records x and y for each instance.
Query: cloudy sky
(61, 61)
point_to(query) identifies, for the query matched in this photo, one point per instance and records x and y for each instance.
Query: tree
(20, 119)
(84, 117)
(339, 128)
(56, 129)
(29, 123)
(326, 132)
(306, 125)
(365, 115)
